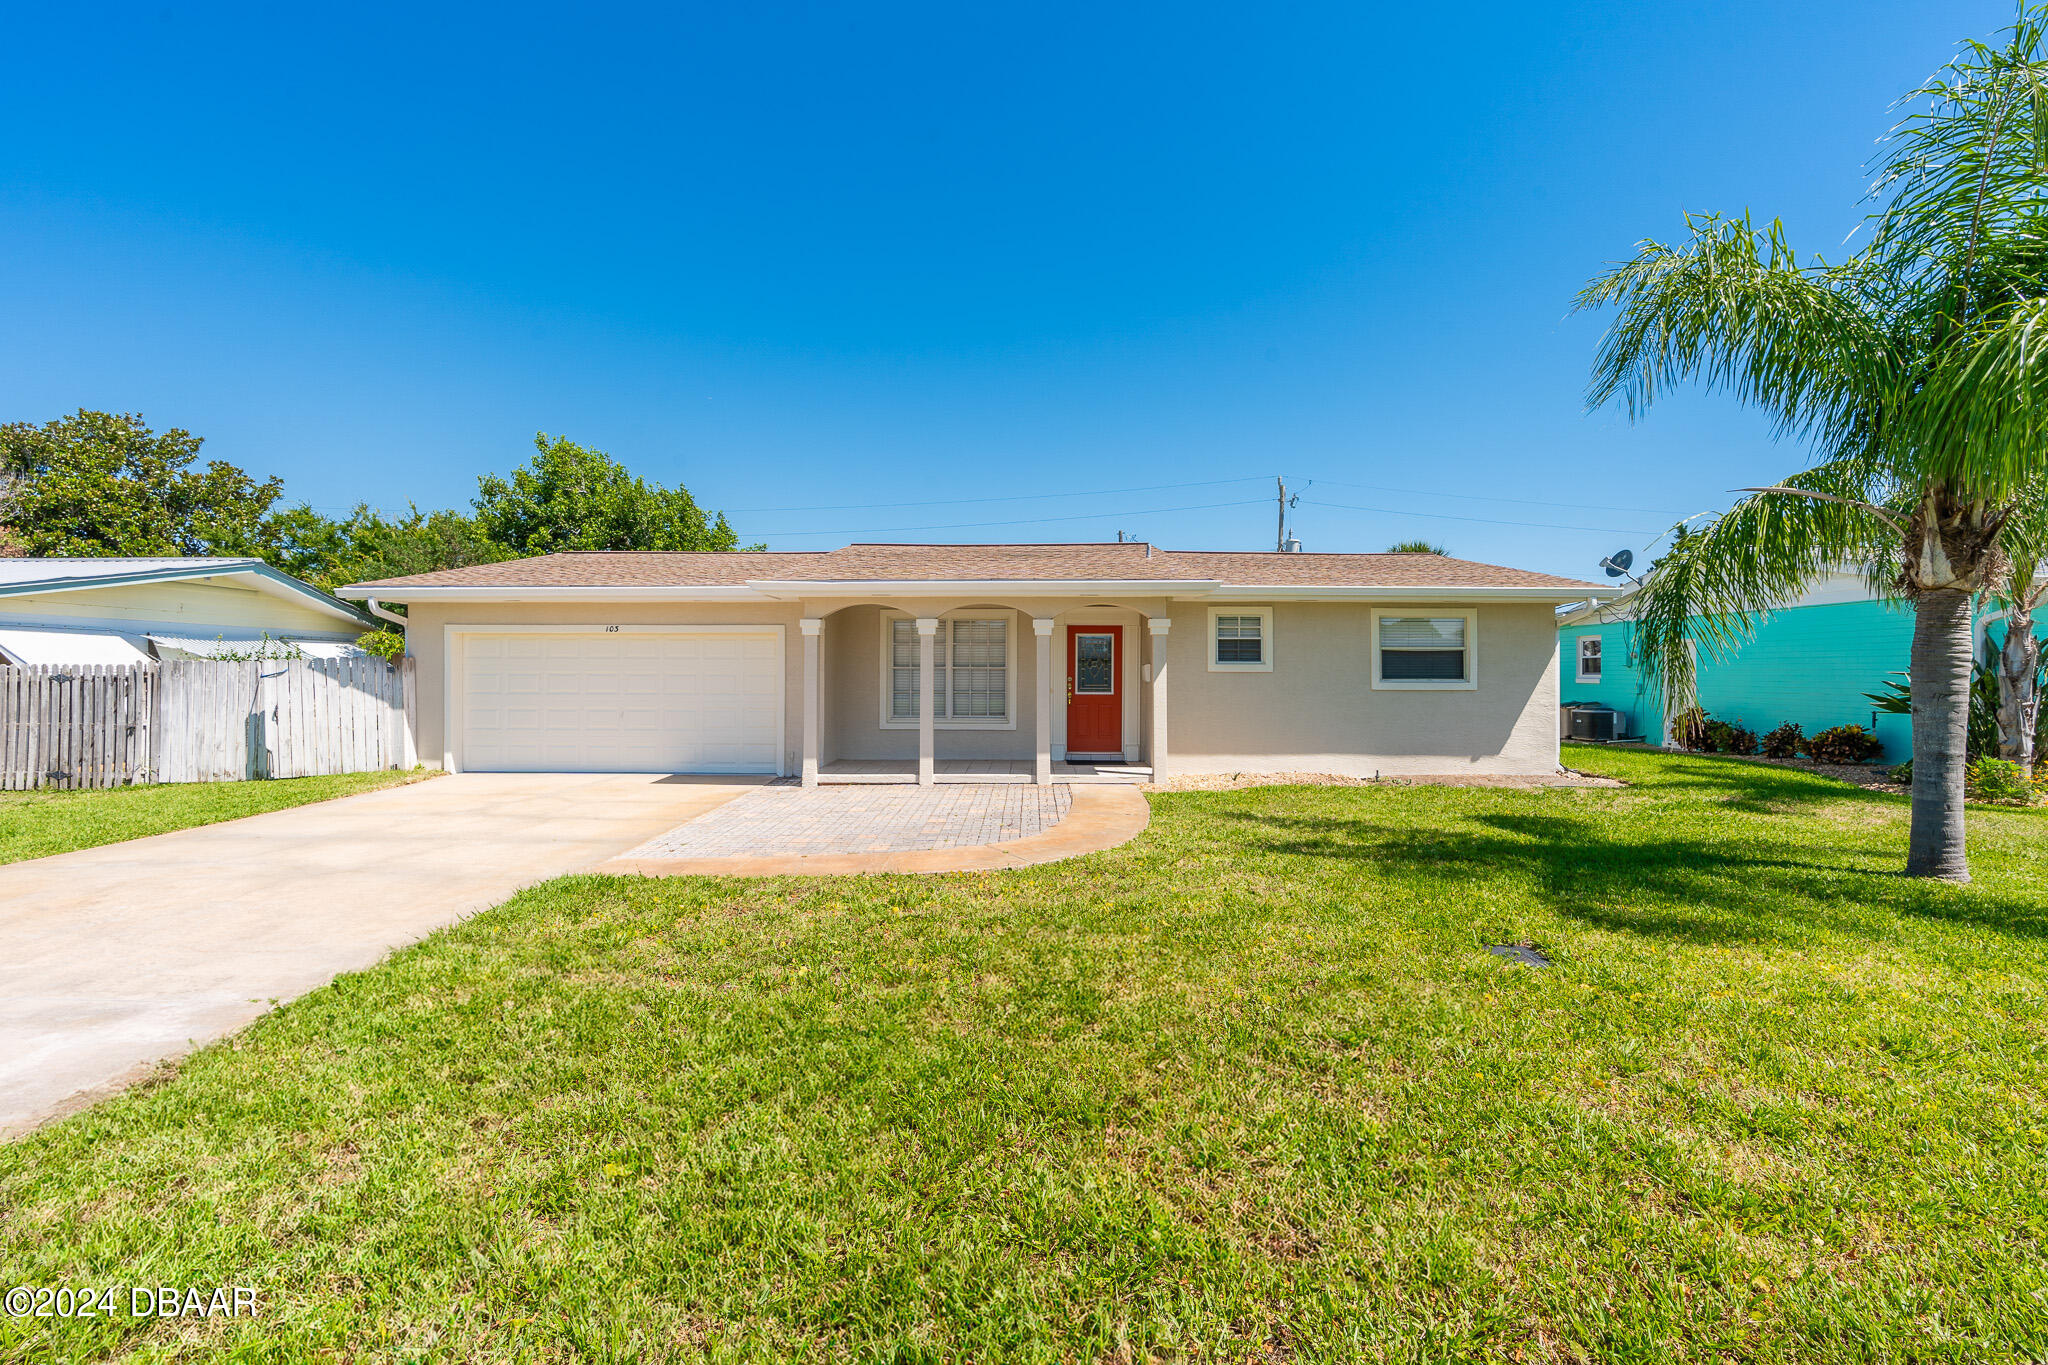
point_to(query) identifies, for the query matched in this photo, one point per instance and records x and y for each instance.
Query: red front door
(1095, 695)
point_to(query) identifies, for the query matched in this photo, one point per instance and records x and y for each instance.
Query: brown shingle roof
(1130, 560)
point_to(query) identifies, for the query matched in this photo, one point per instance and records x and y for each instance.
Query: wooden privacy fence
(203, 720)
(82, 726)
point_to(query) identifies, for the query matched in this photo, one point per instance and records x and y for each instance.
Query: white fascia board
(958, 587)
(1431, 593)
(262, 578)
(635, 593)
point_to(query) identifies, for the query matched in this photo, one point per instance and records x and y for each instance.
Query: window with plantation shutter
(980, 670)
(970, 676)
(903, 656)
(1423, 652)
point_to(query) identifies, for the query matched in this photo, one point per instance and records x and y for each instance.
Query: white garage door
(620, 702)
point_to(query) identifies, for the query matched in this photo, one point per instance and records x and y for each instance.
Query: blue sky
(801, 258)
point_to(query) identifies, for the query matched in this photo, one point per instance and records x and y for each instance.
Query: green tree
(1916, 371)
(570, 497)
(1416, 547)
(375, 546)
(101, 483)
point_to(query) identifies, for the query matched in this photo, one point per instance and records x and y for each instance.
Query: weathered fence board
(203, 720)
(85, 725)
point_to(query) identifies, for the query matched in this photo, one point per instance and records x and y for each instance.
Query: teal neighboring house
(1810, 662)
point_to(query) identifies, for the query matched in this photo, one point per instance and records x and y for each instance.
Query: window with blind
(970, 671)
(1240, 639)
(1589, 658)
(1423, 651)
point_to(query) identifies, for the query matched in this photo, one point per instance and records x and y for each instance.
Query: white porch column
(1160, 625)
(811, 628)
(1041, 626)
(927, 627)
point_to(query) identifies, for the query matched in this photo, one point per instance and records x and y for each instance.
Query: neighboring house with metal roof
(133, 610)
(925, 662)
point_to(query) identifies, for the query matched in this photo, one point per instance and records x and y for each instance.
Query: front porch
(881, 771)
(982, 693)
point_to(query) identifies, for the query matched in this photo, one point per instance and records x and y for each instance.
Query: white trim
(1468, 683)
(1427, 592)
(956, 587)
(1180, 589)
(616, 593)
(1265, 664)
(452, 665)
(1126, 695)
(1579, 646)
(947, 722)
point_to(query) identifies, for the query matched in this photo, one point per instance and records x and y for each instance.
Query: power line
(1481, 497)
(1011, 497)
(1488, 521)
(1028, 521)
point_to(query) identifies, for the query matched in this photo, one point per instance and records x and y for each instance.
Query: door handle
(1070, 691)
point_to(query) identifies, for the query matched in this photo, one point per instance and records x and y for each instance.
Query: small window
(1589, 658)
(1424, 652)
(1240, 639)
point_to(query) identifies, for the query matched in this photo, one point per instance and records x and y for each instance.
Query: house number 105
(611, 630)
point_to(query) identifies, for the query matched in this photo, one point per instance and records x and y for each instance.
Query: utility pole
(1280, 541)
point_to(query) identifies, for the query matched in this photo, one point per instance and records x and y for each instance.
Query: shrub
(385, 644)
(1689, 730)
(1785, 741)
(1903, 774)
(1843, 744)
(1724, 738)
(1998, 779)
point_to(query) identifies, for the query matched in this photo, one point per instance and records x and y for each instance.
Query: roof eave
(273, 577)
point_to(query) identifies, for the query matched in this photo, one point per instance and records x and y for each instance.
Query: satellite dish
(1617, 563)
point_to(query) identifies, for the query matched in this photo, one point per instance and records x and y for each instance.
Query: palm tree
(1417, 547)
(2019, 592)
(1916, 371)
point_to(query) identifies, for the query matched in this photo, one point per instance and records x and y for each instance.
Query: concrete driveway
(121, 956)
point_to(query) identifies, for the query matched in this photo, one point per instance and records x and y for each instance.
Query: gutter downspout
(383, 613)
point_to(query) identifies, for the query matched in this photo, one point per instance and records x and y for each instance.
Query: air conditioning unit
(1602, 723)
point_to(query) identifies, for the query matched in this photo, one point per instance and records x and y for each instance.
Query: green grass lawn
(38, 823)
(1245, 1088)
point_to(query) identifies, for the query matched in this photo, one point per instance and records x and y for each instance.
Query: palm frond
(1707, 594)
(1962, 178)
(1734, 308)
(1979, 421)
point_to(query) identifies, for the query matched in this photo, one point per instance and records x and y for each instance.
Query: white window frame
(1468, 683)
(946, 722)
(1265, 664)
(1580, 645)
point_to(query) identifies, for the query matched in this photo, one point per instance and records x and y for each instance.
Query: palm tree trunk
(2019, 700)
(1942, 641)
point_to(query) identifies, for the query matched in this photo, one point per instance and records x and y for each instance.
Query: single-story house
(129, 610)
(790, 662)
(1810, 662)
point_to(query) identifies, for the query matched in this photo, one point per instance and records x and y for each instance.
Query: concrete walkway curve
(1099, 817)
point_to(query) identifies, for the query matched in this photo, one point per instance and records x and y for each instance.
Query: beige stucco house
(941, 660)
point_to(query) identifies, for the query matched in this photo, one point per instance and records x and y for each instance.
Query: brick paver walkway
(827, 820)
